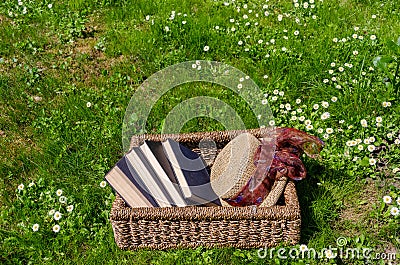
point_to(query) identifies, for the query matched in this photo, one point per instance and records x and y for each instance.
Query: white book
(139, 163)
(171, 187)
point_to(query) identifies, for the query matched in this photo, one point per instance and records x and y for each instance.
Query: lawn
(68, 70)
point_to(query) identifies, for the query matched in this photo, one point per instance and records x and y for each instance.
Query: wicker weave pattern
(189, 227)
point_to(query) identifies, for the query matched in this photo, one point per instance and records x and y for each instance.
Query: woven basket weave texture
(193, 226)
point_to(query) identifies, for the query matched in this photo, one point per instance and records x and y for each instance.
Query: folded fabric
(244, 165)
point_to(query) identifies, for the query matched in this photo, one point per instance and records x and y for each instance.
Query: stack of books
(162, 174)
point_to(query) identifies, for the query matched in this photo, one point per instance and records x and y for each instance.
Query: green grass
(67, 74)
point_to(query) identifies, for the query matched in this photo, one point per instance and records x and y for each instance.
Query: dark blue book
(191, 173)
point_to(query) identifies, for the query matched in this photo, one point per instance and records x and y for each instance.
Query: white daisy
(281, 93)
(329, 130)
(303, 248)
(56, 228)
(334, 99)
(372, 161)
(30, 185)
(325, 115)
(240, 86)
(387, 199)
(371, 139)
(302, 118)
(307, 122)
(309, 127)
(21, 187)
(398, 201)
(372, 37)
(35, 227)
(103, 184)
(371, 148)
(59, 192)
(320, 130)
(355, 52)
(271, 123)
(70, 208)
(378, 119)
(360, 147)
(394, 211)
(287, 106)
(315, 106)
(325, 104)
(206, 48)
(88, 104)
(397, 141)
(51, 212)
(57, 216)
(264, 102)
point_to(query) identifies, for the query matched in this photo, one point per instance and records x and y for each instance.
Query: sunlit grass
(68, 70)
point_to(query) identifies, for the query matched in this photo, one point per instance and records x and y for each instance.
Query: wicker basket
(193, 226)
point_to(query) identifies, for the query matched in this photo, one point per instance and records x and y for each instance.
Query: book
(191, 173)
(156, 156)
(138, 162)
(129, 186)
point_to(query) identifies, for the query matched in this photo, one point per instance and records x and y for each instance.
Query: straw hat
(234, 166)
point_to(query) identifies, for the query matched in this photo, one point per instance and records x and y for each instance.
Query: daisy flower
(329, 130)
(30, 185)
(355, 52)
(103, 184)
(281, 93)
(303, 248)
(325, 115)
(364, 123)
(302, 118)
(334, 99)
(70, 208)
(264, 102)
(372, 161)
(35, 227)
(298, 101)
(240, 86)
(394, 211)
(398, 201)
(57, 216)
(371, 148)
(21, 187)
(378, 119)
(88, 104)
(371, 139)
(271, 123)
(397, 141)
(309, 127)
(59, 192)
(387, 199)
(325, 104)
(315, 106)
(307, 122)
(206, 48)
(372, 37)
(56, 228)
(51, 212)
(360, 147)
